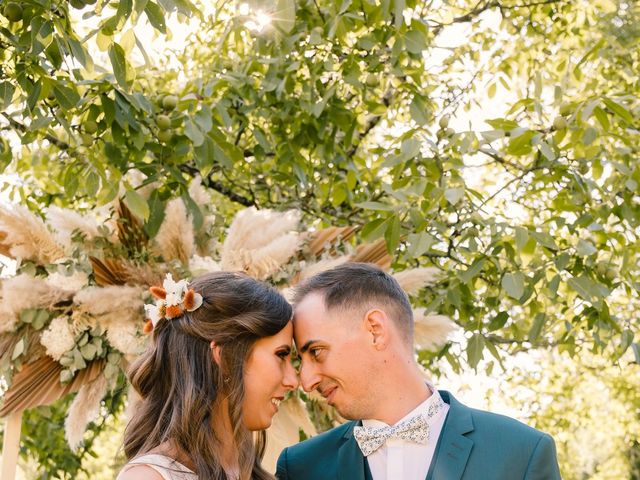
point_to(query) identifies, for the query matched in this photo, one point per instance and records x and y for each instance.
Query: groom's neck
(402, 389)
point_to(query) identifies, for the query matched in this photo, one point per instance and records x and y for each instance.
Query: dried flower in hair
(173, 298)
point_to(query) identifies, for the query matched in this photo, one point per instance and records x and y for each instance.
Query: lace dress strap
(167, 467)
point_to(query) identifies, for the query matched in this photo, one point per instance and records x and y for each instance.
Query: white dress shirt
(400, 459)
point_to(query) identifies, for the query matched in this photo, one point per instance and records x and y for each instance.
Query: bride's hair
(181, 384)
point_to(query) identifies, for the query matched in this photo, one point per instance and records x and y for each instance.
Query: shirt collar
(423, 408)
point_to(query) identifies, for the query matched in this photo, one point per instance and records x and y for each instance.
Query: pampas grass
(259, 242)
(431, 332)
(98, 301)
(24, 291)
(84, 409)
(116, 309)
(28, 236)
(415, 279)
(175, 236)
(321, 266)
(67, 222)
(58, 338)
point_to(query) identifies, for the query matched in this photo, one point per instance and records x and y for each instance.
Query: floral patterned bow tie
(415, 429)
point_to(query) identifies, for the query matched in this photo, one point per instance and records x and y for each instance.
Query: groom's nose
(309, 377)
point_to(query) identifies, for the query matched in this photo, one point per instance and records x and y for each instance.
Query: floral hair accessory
(172, 300)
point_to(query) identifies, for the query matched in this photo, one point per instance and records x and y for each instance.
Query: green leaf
(585, 248)
(6, 94)
(474, 349)
(415, 41)
(204, 156)
(602, 117)
(392, 234)
(498, 321)
(137, 204)
(155, 16)
(119, 64)
(536, 327)
(419, 243)
(513, 283)
(619, 110)
(192, 131)
(67, 98)
(88, 351)
(472, 271)
(284, 16)
(545, 240)
(375, 206)
(19, 348)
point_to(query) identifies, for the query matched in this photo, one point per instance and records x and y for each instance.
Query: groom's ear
(215, 353)
(377, 325)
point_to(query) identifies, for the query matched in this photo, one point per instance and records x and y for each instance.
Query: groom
(353, 328)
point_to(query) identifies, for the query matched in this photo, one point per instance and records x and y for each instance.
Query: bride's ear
(215, 352)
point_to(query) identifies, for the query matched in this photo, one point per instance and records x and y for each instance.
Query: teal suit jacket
(473, 445)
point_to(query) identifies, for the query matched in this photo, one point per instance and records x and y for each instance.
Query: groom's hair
(361, 286)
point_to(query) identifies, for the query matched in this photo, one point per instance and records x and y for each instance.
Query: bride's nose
(290, 380)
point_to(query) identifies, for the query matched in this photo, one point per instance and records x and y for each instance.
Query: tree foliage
(351, 112)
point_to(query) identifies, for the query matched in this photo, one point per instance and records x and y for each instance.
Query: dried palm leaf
(375, 252)
(38, 383)
(130, 231)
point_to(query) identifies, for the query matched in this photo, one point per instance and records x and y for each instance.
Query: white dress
(167, 467)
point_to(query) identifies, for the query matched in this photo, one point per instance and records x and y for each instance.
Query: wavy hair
(181, 385)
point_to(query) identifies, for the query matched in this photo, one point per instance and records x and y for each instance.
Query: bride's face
(268, 376)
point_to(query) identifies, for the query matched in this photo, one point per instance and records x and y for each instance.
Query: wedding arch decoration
(72, 317)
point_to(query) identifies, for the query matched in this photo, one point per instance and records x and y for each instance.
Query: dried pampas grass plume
(28, 236)
(175, 236)
(252, 229)
(321, 266)
(67, 222)
(84, 409)
(414, 279)
(199, 194)
(259, 242)
(431, 332)
(24, 291)
(124, 336)
(105, 300)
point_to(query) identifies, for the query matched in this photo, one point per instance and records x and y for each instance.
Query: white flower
(155, 312)
(175, 290)
(58, 339)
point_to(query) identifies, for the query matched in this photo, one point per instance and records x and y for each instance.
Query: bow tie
(415, 429)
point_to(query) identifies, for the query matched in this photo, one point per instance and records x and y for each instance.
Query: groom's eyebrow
(306, 346)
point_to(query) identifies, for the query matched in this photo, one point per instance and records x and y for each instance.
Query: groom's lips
(328, 394)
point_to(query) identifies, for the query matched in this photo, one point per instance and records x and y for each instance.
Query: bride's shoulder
(139, 472)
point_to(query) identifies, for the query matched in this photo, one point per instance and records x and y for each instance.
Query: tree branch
(23, 128)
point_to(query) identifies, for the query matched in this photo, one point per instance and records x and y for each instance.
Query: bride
(218, 365)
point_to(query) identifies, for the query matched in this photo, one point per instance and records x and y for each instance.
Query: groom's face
(336, 356)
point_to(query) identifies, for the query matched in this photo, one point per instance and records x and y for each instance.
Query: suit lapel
(350, 458)
(454, 450)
